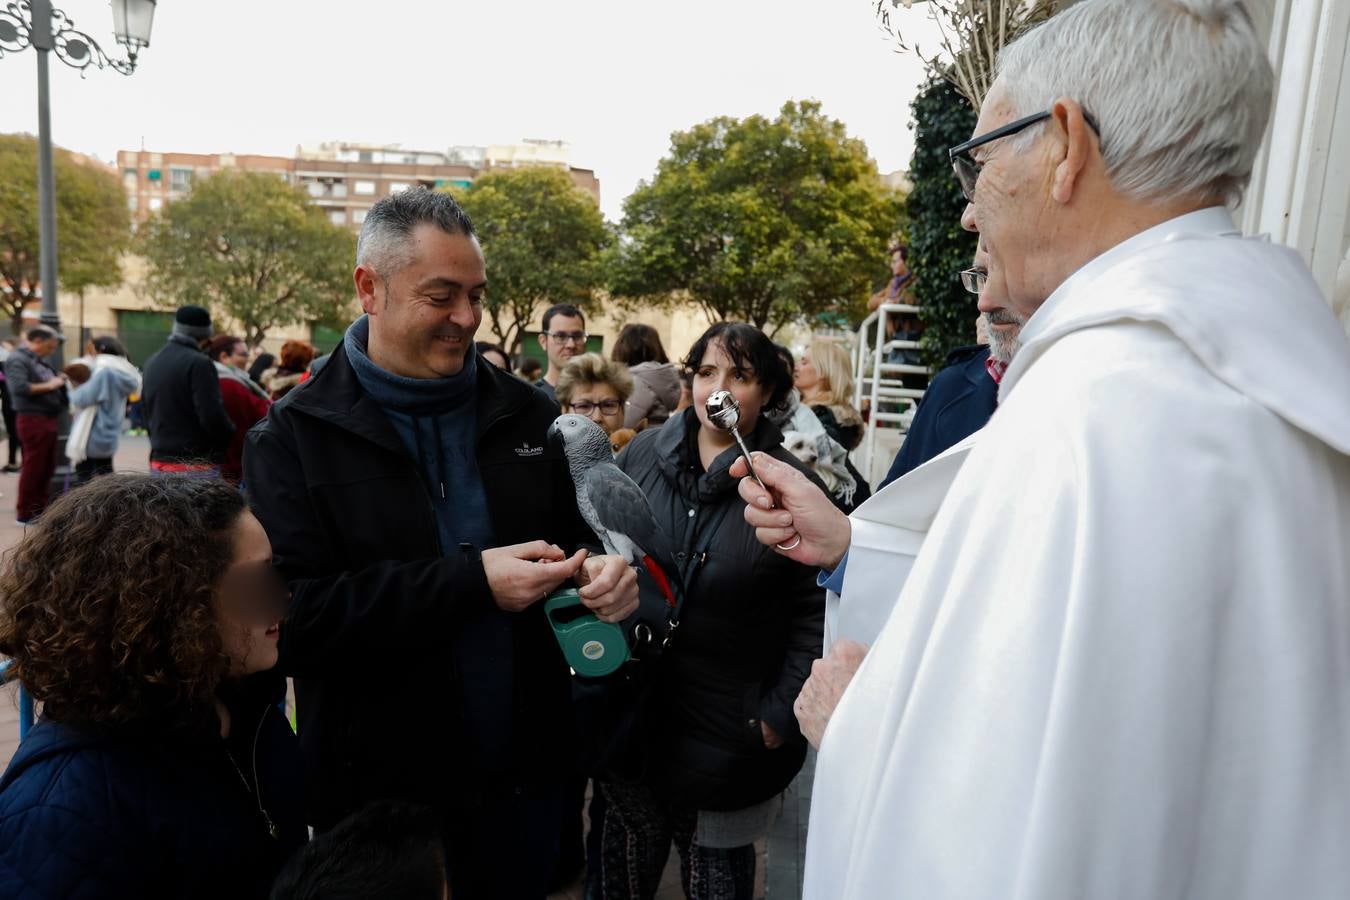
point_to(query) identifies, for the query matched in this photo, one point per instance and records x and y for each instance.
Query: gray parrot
(612, 504)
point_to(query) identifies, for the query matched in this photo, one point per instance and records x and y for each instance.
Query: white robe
(1120, 665)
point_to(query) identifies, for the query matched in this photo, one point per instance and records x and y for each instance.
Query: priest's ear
(1080, 147)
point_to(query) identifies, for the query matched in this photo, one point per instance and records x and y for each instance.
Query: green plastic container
(593, 648)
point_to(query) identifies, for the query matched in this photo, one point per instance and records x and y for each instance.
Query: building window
(156, 203)
(358, 216)
(129, 179)
(339, 189)
(398, 187)
(338, 217)
(180, 180)
(131, 202)
(315, 188)
(364, 187)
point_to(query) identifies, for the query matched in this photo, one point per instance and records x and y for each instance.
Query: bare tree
(973, 32)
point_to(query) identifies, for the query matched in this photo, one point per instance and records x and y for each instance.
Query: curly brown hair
(107, 605)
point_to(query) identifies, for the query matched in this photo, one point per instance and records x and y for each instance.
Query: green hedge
(939, 247)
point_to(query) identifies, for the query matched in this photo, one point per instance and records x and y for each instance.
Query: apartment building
(342, 179)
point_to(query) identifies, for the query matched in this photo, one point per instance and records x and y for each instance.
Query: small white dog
(806, 447)
(801, 445)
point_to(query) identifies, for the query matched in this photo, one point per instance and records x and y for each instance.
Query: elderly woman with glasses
(597, 388)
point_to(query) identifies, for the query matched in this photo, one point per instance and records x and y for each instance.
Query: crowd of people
(1036, 663)
(403, 493)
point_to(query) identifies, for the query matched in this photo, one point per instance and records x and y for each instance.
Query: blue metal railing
(25, 702)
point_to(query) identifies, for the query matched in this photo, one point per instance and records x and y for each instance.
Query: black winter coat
(957, 404)
(90, 813)
(375, 631)
(184, 410)
(751, 625)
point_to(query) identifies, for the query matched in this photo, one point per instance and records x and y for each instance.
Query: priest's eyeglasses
(973, 280)
(968, 170)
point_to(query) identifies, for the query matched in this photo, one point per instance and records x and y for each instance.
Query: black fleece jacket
(384, 633)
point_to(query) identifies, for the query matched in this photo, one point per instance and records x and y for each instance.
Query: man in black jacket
(189, 428)
(420, 514)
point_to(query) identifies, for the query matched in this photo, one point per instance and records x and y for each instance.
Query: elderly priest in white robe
(1120, 664)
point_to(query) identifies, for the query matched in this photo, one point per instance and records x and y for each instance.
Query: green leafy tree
(938, 247)
(765, 220)
(251, 248)
(93, 227)
(543, 240)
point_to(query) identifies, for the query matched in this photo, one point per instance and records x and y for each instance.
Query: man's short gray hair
(384, 245)
(1180, 88)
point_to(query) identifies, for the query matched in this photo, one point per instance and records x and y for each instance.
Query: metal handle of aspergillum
(724, 411)
(592, 648)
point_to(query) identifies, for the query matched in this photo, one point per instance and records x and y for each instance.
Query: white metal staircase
(879, 382)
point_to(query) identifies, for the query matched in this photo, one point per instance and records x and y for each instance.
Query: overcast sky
(612, 77)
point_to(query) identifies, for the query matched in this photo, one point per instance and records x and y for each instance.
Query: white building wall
(1300, 192)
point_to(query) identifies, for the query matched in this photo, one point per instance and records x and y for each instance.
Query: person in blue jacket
(962, 397)
(143, 614)
(958, 403)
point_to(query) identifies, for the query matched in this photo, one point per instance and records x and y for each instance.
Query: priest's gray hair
(385, 245)
(1180, 88)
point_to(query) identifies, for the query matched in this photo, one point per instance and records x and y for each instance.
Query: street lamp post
(34, 23)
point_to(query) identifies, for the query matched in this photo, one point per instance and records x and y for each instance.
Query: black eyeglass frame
(576, 337)
(586, 407)
(968, 170)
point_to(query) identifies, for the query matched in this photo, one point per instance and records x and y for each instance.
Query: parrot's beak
(554, 434)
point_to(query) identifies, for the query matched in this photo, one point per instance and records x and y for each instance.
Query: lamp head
(132, 21)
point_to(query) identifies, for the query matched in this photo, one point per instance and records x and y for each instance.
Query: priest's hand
(830, 677)
(523, 574)
(793, 513)
(609, 587)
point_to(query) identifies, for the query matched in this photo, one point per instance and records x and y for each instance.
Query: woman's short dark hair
(751, 349)
(261, 365)
(489, 347)
(528, 365)
(107, 344)
(107, 605)
(222, 343)
(638, 344)
(388, 849)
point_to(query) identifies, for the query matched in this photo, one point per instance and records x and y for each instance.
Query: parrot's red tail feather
(659, 576)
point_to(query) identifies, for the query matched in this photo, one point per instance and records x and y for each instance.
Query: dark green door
(142, 332)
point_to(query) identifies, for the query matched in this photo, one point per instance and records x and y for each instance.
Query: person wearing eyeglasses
(564, 336)
(1116, 666)
(962, 397)
(596, 388)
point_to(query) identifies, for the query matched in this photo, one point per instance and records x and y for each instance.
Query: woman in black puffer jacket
(725, 743)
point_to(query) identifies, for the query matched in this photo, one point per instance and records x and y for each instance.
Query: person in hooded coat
(100, 407)
(656, 381)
